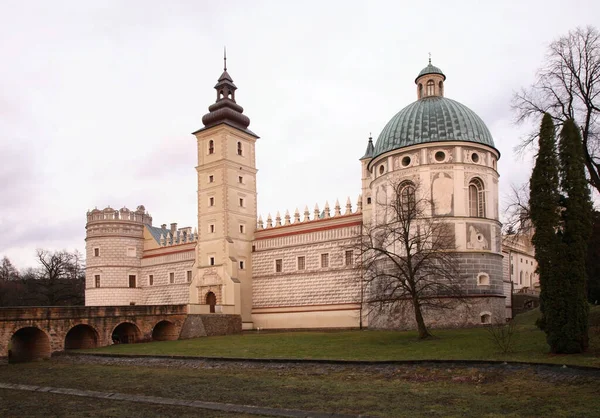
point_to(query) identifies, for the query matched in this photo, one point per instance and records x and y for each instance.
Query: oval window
(406, 161)
(475, 157)
(440, 156)
(381, 169)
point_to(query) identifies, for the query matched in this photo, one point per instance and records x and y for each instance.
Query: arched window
(430, 88)
(420, 90)
(239, 148)
(211, 147)
(521, 277)
(441, 86)
(476, 199)
(406, 198)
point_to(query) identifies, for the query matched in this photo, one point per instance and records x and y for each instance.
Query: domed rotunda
(446, 153)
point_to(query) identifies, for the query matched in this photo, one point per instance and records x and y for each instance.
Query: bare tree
(516, 222)
(61, 277)
(8, 270)
(568, 87)
(408, 257)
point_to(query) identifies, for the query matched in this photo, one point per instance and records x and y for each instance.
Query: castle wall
(313, 297)
(178, 260)
(467, 313)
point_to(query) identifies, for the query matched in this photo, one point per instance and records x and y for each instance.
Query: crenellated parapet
(317, 215)
(140, 215)
(174, 236)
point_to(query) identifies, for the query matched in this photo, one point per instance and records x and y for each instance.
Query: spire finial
(225, 59)
(430, 58)
(370, 137)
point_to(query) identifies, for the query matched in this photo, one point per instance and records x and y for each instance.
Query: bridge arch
(126, 333)
(28, 344)
(165, 331)
(81, 336)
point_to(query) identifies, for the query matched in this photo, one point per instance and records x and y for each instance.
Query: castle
(299, 270)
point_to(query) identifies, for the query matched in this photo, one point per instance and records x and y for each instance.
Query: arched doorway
(81, 336)
(165, 331)
(211, 300)
(126, 333)
(28, 344)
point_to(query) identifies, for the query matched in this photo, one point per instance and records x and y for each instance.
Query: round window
(440, 156)
(406, 161)
(381, 169)
(475, 157)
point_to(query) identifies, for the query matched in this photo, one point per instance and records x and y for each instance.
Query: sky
(98, 99)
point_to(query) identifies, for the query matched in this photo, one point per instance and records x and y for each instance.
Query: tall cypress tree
(543, 201)
(570, 334)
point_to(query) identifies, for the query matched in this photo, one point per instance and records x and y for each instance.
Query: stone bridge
(31, 333)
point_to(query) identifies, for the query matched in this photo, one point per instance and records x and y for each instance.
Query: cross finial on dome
(225, 59)
(430, 58)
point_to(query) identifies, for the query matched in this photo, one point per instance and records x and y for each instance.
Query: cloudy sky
(98, 98)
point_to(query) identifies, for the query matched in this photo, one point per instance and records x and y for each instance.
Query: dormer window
(430, 88)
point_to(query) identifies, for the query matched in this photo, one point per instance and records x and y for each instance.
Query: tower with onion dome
(445, 148)
(226, 206)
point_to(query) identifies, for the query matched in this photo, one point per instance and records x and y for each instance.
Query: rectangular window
(349, 257)
(211, 261)
(301, 263)
(189, 275)
(240, 179)
(211, 201)
(131, 252)
(171, 277)
(132, 280)
(242, 229)
(241, 202)
(211, 228)
(96, 252)
(324, 260)
(211, 179)
(150, 279)
(97, 280)
(278, 265)
(242, 266)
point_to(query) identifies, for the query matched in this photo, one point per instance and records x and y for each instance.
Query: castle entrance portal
(211, 300)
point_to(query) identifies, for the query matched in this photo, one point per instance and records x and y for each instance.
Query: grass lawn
(394, 391)
(472, 344)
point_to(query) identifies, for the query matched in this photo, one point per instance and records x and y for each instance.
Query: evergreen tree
(544, 209)
(569, 332)
(593, 261)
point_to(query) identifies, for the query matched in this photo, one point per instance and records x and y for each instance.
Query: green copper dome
(432, 119)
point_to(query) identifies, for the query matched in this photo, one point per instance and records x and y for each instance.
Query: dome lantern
(430, 81)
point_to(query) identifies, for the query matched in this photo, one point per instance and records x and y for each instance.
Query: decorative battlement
(317, 215)
(140, 215)
(174, 236)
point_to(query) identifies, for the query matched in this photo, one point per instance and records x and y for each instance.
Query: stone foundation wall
(462, 314)
(210, 325)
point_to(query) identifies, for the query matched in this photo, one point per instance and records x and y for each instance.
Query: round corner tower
(443, 146)
(114, 247)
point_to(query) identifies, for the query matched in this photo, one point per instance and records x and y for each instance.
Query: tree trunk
(423, 332)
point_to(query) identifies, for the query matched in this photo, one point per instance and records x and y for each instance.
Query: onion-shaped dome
(225, 109)
(432, 119)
